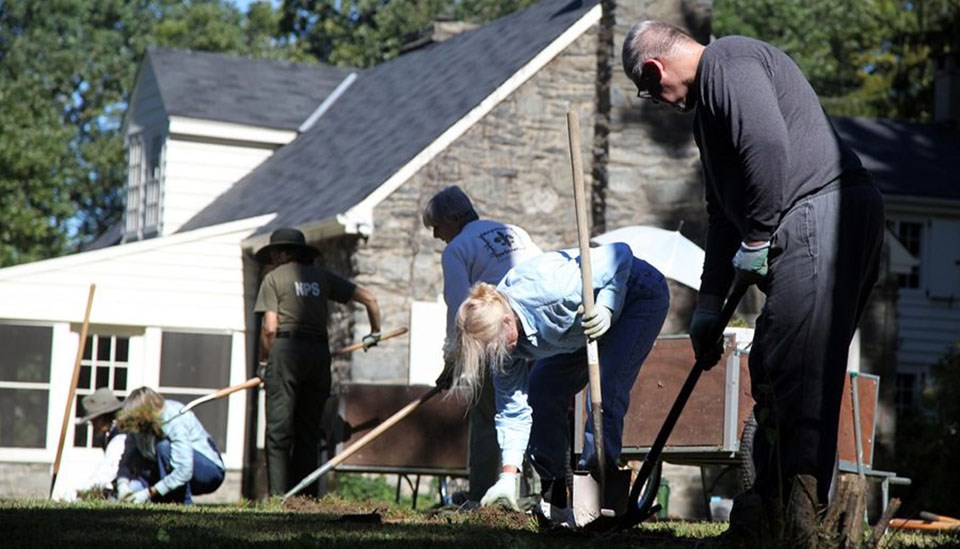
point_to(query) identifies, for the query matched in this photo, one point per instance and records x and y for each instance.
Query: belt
(294, 334)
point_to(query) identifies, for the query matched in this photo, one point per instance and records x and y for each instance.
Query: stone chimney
(438, 31)
(946, 89)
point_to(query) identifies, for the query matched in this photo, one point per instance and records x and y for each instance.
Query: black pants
(297, 386)
(824, 261)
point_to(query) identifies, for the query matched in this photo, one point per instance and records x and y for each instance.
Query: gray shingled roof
(227, 88)
(905, 158)
(391, 113)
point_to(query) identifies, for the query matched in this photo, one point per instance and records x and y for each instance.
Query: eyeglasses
(645, 94)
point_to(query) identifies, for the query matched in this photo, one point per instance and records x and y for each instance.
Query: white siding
(192, 280)
(198, 172)
(928, 329)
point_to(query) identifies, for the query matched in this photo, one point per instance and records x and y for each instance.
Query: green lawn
(307, 523)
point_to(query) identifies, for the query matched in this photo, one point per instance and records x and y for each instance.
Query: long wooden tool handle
(68, 409)
(359, 345)
(248, 384)
(586, 272)
(377, 431)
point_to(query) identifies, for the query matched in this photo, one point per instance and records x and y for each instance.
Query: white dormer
(199, 122)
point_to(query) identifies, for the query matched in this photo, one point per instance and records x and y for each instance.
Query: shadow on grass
(119, 527)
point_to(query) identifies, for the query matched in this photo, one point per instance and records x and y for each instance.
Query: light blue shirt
(546, 292)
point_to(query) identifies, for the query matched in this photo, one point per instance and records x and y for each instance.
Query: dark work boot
(801, 517)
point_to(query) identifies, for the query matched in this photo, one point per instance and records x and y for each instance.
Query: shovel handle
(634, 514)
(377, 431)
(586, 274)
(359, 345)
(248, 384)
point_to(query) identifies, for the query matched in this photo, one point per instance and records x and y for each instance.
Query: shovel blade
(587, 505)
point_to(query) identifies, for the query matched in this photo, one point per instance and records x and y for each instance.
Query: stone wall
(515, 166)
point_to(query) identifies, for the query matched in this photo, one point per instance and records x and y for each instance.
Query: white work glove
(139, 497)
(370, 340)
(123, 489)
(597, 323)
(504, 492)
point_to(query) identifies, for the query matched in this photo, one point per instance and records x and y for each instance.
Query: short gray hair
(451, 205)
(648, 40)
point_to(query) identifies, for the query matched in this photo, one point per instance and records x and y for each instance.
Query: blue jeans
(554, 381)
(207, 477)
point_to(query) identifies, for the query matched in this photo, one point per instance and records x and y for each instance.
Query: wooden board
(702, 422)
(433, 437)
(868, 390)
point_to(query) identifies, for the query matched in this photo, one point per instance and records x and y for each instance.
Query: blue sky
(243, 4)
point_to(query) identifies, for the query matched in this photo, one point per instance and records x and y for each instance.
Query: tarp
(669, 251)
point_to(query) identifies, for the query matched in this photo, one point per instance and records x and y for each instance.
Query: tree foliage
(362, 33)
(873, 58)
(67, 68)
(928, 442)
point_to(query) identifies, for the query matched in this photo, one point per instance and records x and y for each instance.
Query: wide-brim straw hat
(102, 401)
(286, 238)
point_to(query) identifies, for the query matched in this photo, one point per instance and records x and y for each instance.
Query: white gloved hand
(139, 497)
(370, 340)
(504, 492)
(597, 324)
(123, 489)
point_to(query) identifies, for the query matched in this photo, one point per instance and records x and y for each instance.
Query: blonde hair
(481, 338)
(141, 413)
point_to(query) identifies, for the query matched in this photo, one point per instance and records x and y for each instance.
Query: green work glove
(702, 331)
(370, 340)
(504, 492)
(750, 262)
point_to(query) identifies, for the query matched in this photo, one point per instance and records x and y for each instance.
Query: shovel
(586, 272)
(638, 511)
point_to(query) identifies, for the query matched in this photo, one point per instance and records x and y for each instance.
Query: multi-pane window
(144, 187)
(910, 385)
(910, 234)
(24, 385)
(135, 189)
(105, 363)
(153, 187)
(192, 365)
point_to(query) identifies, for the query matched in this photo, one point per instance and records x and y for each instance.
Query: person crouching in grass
(169, 457)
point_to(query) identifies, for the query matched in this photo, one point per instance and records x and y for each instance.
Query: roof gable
(254, 92)
(392, 113)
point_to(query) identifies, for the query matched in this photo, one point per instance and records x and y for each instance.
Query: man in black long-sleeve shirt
(791, 209)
